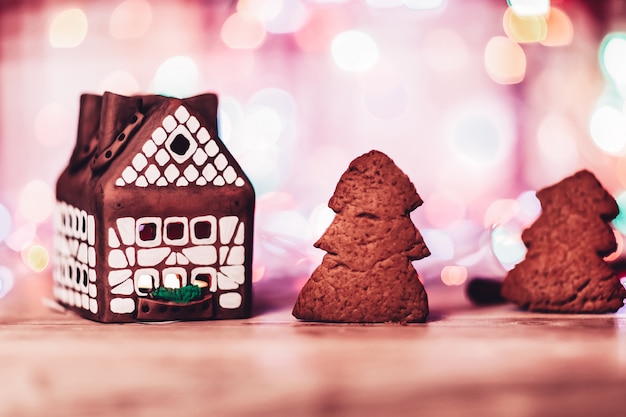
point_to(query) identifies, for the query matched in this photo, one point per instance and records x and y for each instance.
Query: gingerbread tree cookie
(366, 275)
(564, 270)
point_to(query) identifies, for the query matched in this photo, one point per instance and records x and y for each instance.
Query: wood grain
(464, 361)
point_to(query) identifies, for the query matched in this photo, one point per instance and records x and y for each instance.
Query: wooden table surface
(466, 360)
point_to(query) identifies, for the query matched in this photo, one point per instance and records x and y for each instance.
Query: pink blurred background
(480, 103)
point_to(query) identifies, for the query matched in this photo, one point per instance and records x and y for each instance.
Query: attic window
(147, 231)
(180, 145)
(202, 230)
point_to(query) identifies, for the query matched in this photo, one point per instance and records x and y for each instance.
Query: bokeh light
(505, 60)
(36, 257)
(68, 28)
(439, 243)
(120, 82)
(507, 246)
(37, 201)
(529, 7)
(21, 237)
(354, 50)
(557, 143)
(608, 129)
(243, 31)
(54, 125)
(291, 18)
(176, 77)
(131, 19)
(445, 51)
(453, 275)
(6, 281)
(424, 4)
(500, 211)
(6, 222)
(523, 29)
(560, 28)
(613, 57)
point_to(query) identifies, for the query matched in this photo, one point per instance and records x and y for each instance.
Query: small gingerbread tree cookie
(366, 275)
(564, 270)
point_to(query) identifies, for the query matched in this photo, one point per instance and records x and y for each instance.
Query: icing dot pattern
(180, 152)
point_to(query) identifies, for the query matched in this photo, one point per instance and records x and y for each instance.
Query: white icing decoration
(141, 182)
(220, 162)
(93, 306)
(81, 255)
(182, 182)
(152, 173)
(78, 299)
(139, 162)
(236, 256)
(227, 228)
(236, 272)
(181, 130)
(114, 242)
(122, 305)
(83, 225)
(203, 135)
(223, 254)
(117, 259)
(201, 255)
(180, 258)
(211, 148)
(162, 157)
(181, 114)
(169, 123)
(126, 229)
(157, 238)
(193, 124)
(219, 181)
(241, 235)
(120, 182)
(200, 157)
(226, 283)
(209, 172)
(92, 275)
(91, 230)
(184, 239)
(191, 173)
(206, 271)
(152, 257)
(171, 173)
(230, 175)
(149, 148)
(91, 256)
(73, 244)
(171, 260)
(129, 174)
(162, 182)
(159, 136)
(117, 277)
(230, 300)
(125, 288)
(93, 290)
(213, 229)
(85, 301)
(130, 254)
(201, 181)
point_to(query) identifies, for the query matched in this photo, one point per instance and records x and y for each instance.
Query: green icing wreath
(181, 295)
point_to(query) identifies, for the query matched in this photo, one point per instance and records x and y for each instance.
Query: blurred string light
(608, 129)
(523, 29)
(37, 202)
(529, 7)
(120, 82)
(452, 275)
(6, 222)
(354, 50)
(242, 31)
(507, 246)
(560, 28)
(68, 28)
(176, 77)
(53, 125)
(6, 281)
(131, 19)
(613, 58)
(505, 60)
(36, 257)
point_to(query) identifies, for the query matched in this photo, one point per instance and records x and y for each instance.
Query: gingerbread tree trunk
(366, 275)
(564, 270)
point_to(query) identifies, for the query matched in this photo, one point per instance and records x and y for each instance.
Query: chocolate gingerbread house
(152, 199)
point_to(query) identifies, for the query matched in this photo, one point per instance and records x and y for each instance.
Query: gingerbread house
(154, 216)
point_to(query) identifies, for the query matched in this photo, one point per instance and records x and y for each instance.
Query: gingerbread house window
(204, 230)
(148, 232)
(174, 277)
(204, 277)
(146, 280)
(176, 231)
(181, 144)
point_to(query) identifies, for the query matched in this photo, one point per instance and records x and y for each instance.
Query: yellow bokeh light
(36, 257)
(505, 60)
(524, 29)
(68, 28)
